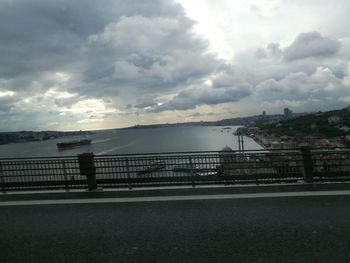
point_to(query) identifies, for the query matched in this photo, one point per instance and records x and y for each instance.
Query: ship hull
(73, 144)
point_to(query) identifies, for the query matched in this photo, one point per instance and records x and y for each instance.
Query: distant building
(264, 113)
(287, 113)
(227, 155)
(232, 163)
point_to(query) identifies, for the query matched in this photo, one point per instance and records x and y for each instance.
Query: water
(108, 142)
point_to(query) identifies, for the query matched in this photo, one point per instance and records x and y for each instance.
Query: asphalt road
(287, 229)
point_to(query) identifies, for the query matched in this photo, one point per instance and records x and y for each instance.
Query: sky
(85, 64)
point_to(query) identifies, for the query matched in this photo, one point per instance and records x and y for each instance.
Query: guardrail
(164, 169)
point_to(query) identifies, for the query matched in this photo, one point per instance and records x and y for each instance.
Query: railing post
(191, 171)
(2, 182)
(65, 175)
(87, 167)
(128, 172)
(307, 164)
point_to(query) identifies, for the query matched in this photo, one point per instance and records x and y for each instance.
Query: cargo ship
(72, 144)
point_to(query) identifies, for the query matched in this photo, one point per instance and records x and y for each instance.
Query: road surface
(270, 229)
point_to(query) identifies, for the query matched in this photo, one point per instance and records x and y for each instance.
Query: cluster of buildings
(273, 141)
(288, 165)
(279, 158)
(337, 122)
(269, 140)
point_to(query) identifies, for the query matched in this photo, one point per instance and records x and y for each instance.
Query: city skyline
(113, 64)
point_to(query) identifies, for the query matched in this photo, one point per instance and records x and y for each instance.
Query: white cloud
(322, 89)
(6, 93)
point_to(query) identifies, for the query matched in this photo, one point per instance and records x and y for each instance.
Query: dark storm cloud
(132, 56)
(272, 49)
(189, 99)
(5, 105)
(199, 114)
(66, 102)
(311, 44)
(145, 104)
(39, 35)
(149, 54)
(110, 49)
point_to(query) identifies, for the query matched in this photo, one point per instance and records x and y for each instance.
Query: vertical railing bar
(65, 175)
(20, 171)
(56, 171)
(191, 171)
(128, 172)
(10, 172)
(2, 180)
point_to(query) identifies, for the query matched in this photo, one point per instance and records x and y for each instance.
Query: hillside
(323, 124)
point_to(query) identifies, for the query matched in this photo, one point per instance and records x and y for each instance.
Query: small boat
(207, 173)
(72, 144)
(155, 166)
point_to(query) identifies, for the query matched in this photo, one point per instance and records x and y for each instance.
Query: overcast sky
(87, 64)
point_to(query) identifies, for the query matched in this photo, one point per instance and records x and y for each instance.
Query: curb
(214, 190)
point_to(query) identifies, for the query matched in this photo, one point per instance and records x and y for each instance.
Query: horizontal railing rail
(186, 168)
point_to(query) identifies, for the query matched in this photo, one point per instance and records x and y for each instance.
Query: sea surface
(130, 141)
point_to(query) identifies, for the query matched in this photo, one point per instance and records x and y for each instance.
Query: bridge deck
(279, 229)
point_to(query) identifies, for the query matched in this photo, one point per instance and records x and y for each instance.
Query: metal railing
(188, 168)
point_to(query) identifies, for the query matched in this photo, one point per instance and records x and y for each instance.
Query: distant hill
(31, 136)
(225, 122)
(324, 124)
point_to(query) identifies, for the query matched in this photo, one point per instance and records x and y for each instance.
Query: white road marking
(174, 198)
